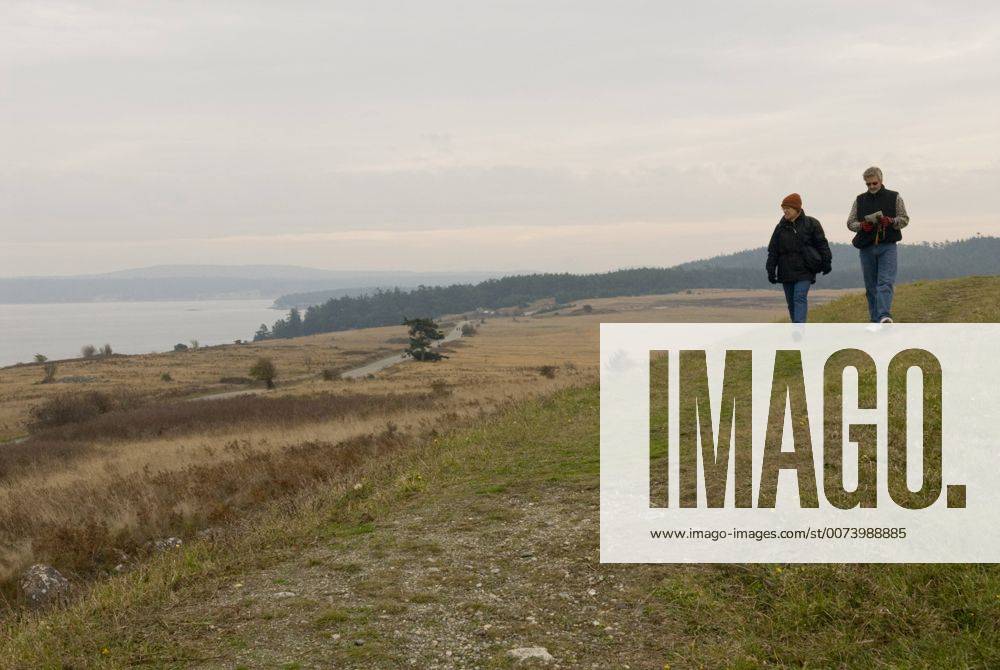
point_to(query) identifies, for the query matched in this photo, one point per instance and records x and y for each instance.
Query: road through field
(383, 363)
(354, 373)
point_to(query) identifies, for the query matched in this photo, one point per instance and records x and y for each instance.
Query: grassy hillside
(463, 546)
(964, 300)
(486, 540)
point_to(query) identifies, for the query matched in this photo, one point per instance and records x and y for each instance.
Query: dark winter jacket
(785, 259)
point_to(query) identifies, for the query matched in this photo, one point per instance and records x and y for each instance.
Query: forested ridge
(979, 255)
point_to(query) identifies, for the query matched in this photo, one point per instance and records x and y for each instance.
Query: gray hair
(872, 172)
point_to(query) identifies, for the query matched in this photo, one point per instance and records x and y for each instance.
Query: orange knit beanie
(792, 200)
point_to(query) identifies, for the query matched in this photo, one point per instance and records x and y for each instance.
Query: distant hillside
(214, 282)
(220, 271)
(340, 278)
(974, 256)
(978, 255)
(304, 300)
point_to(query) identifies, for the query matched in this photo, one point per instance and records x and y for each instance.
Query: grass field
(192, 372)
(91, 495)
(463, 534)
(201, 371)
(454, 552)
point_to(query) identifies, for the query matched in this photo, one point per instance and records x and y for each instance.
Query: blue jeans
(878, 265)
(796, 293)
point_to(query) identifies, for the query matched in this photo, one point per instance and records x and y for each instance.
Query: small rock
(206, 533)
(165, 543)
(359, 643)
(42, 584)
(285, 594)
(525, 653)
(591, 592)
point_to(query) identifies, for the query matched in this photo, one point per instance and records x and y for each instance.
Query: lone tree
(422, 333)
(264, 371)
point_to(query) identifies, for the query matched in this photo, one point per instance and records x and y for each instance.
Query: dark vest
(868, 203)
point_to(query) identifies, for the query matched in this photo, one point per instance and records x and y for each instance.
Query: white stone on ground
(536, 653)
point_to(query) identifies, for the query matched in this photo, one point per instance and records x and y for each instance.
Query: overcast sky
(471, 135)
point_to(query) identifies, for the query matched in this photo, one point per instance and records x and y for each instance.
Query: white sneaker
(885, 319)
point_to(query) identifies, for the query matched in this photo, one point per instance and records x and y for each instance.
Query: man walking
(877, 217)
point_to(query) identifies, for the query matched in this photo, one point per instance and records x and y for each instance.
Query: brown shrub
(440, 387)
(17, 457)
(68, 408)
(178, 418)
(548, 371)
(50, 372)
(81, 541)
(235, 380)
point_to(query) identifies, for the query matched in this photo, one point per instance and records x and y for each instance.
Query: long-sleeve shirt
(898, 222)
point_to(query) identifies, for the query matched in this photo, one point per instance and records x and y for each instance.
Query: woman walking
(797, 251)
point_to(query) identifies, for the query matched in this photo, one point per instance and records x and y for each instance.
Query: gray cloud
(241, 120)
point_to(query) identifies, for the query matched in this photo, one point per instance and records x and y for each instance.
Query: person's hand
(867, 227)
(885, 221)
(827, 269)
(771, 278)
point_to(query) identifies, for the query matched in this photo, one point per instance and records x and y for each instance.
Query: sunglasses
(871, 183)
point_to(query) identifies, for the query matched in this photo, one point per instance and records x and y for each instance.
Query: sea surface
(59, 330)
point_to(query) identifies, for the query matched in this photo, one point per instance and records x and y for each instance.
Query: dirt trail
(451, 584)
(452, 579)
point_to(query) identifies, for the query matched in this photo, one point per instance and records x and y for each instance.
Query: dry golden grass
(78, 512)
(193, 372)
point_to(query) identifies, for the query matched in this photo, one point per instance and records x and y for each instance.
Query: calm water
(59, 330)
